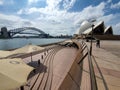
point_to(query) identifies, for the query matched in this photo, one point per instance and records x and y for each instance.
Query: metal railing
(91, 68)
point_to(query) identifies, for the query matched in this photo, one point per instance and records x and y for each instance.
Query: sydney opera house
(98, 29)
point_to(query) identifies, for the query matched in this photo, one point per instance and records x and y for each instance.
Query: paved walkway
(107, 69)
(61, 64)
(59, 69)
(53, 69)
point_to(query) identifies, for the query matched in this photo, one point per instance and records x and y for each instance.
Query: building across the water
(4, 33)
(98, 29)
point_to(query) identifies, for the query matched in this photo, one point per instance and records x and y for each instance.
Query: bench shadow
(38, 68)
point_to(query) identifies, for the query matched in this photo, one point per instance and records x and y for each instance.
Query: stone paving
(107, 65)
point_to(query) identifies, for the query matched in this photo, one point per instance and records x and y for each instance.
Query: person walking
(98, 43)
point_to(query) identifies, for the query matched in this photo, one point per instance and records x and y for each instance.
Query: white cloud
(107, 18)
(68, 19)
(53, 7)
(55, 21)
(28, 11)
(32, 1)
(10, 17)
(6, 2)
(67, 4)
(90, 12)
(112, 20)
(51, 16)
(117, 28)
(20, 12)
(12, 21)
(116, 5)
(53, 4)
(109, 1)
(63, 14)
(1, 2)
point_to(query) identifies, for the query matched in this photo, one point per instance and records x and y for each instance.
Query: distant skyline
(58, 17)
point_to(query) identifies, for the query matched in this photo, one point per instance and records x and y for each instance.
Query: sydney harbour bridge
(4, 33)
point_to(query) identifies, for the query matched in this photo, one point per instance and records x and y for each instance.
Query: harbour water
(6, 44)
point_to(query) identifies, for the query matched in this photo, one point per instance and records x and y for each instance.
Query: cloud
(6, 2)
(53, 4)
(54, 20)
(68, 19)
(109, 1)
(11, 2)
(112, 20)
(12, 21)
(116, 5)
(67, 4)
(117, 28)
(90, 12)
(32, 1)
(20, 12)
(10, 17)
(63, 14)
(1, 2)
(107, 18)
(28, 11)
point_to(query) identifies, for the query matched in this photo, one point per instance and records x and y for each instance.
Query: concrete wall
(107, 37)
(73, 78)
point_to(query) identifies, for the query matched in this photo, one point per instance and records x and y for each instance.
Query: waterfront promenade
(106, 61)
(55, 64)
(69, 75)
(69, 66)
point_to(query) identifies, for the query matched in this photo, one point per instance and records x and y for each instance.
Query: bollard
(42, 56)
(34, 71)
(38, 61)
(44, 53)
(21, 88)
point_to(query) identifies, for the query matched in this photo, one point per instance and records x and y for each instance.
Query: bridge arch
(20, 31)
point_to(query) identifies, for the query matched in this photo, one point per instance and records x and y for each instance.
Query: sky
(58, 17)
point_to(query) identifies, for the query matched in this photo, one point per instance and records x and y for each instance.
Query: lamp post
(92, 25)
(31, 56)
(91, 40)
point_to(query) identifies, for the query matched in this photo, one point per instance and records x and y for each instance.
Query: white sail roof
(87, 31)
(99, 23)
(85, 25)
(106, 28)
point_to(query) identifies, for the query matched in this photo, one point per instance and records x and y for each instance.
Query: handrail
(92, 73)
(105, 84)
